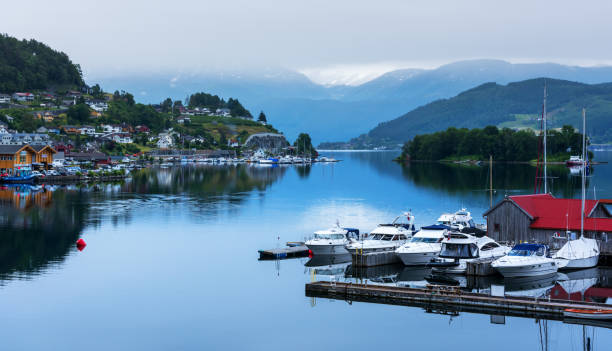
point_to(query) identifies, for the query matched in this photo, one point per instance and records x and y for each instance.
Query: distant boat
(574, 161)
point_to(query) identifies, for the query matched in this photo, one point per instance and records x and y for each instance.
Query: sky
(331, 41)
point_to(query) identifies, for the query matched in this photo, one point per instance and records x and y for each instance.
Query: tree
(303, 144)
(78, 113)
(262, 117)
(166, 105)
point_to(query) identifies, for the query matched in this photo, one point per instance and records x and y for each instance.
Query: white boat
(526, 260)
(285, 160)
(460, 248)
(458, 220)
(424, 246)
(385, 237)
(268, 161)
(583, 252)
(331, 241)
(577, 254)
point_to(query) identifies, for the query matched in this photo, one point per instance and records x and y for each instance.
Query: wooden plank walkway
(284, 252)
(449, 299)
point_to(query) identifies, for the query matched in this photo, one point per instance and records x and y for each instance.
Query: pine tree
(262, 117)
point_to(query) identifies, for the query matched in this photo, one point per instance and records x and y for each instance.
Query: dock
(284, 252)
(448, 299)
(374, 259)
(480, 267)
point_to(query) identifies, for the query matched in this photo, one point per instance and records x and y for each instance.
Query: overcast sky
(328, 39)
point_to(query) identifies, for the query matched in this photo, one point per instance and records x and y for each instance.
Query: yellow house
(12, 157)
(44, 154)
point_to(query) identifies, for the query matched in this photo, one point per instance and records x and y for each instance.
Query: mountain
(294, 104)
(29, 64)
(516, 105)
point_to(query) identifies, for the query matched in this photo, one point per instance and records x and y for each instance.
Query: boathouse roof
(548, 212)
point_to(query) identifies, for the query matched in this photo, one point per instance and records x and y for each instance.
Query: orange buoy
(80, 244)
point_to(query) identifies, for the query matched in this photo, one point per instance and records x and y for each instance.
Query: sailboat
(582, 252)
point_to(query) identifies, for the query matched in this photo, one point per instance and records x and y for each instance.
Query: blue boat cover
(437, 227)
(529, 247)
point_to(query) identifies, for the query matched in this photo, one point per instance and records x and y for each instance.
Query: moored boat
(526, 260)
(331, 241)
(385, 237)
(424, 246)
(460, 248)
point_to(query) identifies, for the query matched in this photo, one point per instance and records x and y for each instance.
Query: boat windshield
(425, 240)
(375, 237)
(450, 250)
(517, 252)
(329, 236)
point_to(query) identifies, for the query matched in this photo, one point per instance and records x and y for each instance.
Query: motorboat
(22, 175)
(578, 254)
(268, 161)
(331, 241)
(460, 248)
(526, 260)
(424, 246)
(385, 237)
(458, 220)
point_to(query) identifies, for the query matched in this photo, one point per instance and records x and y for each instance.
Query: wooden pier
(451, 300)
(374, 259)
(284, 252)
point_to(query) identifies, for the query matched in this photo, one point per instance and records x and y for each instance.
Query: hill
(293, 103)
(29, 64)
(515, 105)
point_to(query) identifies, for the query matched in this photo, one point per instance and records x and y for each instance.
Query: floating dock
(284, 252)
(374, 259)
(448, 299)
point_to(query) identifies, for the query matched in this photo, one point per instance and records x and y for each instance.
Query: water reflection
(38, 227)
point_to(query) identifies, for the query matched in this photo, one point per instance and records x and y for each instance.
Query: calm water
(171, 260)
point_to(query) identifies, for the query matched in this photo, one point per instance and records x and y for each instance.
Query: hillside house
(122, 138)
(71, 129)
(23, 97)
(165, 141)
(223, 112)
(5, 99)
(87, 130)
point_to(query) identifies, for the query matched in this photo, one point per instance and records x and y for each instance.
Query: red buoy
(80, 244)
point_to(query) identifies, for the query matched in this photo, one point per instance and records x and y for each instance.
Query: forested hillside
(516, 105)
(29, 64)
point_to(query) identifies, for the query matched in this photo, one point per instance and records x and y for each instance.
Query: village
(57, 138)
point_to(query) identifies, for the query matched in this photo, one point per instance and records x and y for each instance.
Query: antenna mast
(584, 164)
(545, 132)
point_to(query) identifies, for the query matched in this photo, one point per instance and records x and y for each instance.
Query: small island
(504, 145)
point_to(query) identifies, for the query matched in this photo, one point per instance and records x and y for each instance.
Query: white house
(23, 96)
(122, 138)
(164, 142)
(183, 119)
(87, 130)
(5, 99)
(224, 112)
(111, 129)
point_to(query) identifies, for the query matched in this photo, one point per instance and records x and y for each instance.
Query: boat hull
(528, 270)
(580, 263)
(416, 258)
(319, 249)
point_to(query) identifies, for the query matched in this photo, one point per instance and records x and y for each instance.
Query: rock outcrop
(266, 141)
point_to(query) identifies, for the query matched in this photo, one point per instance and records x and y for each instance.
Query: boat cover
(529, 247)
(577, 249)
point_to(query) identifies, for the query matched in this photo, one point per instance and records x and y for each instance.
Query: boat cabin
(464, 246)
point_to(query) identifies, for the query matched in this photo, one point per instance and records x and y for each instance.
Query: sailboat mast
(584, 164)
(545, 132)
(490, 181)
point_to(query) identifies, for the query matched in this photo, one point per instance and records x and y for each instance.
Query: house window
(496, 227)
(22, 157)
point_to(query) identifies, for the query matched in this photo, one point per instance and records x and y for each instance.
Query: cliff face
(267, 141)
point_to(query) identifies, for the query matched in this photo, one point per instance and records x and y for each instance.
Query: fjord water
(171, 259)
